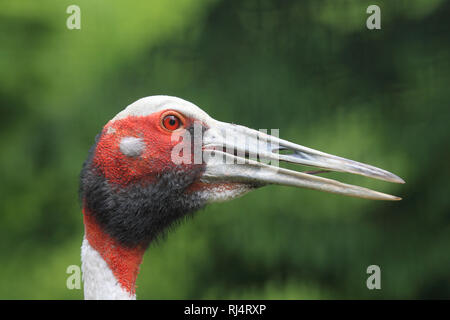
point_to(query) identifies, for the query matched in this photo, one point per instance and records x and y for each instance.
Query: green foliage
(310, 68)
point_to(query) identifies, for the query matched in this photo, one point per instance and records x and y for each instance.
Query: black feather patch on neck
(138, 214)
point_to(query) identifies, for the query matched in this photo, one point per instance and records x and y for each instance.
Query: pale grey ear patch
(132, 146)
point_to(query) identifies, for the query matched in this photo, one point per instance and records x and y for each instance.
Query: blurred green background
(310, 68)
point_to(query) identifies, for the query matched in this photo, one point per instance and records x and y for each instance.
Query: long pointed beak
(231, 153)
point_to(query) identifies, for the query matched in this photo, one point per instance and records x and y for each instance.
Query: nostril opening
(284, 151)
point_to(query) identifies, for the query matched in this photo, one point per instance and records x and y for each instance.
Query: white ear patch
(132, 146)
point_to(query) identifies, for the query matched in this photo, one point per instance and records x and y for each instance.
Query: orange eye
(171, 122)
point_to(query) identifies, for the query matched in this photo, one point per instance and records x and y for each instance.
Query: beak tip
(396, 179)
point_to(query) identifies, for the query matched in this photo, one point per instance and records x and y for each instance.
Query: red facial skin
(121, 170)
(156, 157)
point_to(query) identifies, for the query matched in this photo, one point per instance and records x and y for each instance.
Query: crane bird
(132, 188)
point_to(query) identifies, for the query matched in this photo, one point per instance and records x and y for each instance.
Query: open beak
(237, 154)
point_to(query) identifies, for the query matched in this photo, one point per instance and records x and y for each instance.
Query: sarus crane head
(162, 158)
